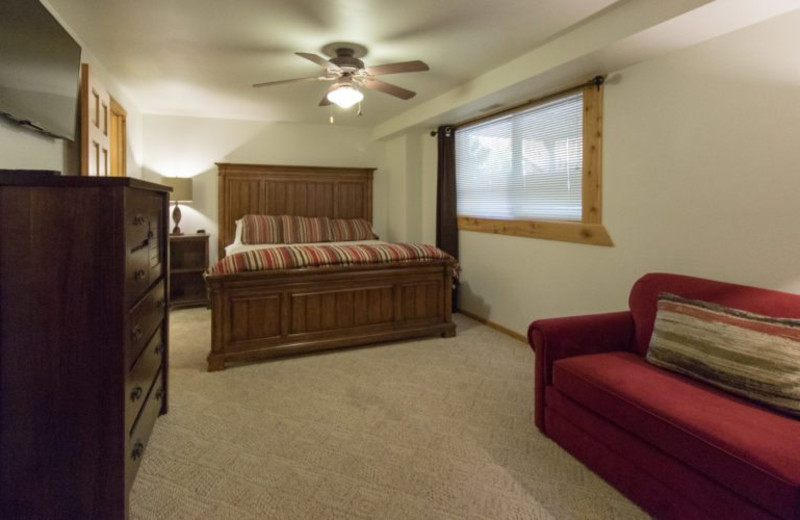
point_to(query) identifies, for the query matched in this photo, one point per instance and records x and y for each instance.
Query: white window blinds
(524, 165)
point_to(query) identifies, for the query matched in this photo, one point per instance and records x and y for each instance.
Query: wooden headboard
(307, 191)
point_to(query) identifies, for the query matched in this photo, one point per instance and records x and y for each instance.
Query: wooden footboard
(257, 315)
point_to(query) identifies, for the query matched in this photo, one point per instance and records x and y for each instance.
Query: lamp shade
(181, 188)
(345, 96)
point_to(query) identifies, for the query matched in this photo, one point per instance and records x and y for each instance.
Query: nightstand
(188, 260)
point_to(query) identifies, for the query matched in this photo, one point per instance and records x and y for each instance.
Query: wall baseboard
(495, 326)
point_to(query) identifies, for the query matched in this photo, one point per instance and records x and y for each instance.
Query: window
(535, 171)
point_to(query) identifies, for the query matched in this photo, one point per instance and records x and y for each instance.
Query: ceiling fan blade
(388, 88)
(270, 83)
(319, 60)
(396, 68)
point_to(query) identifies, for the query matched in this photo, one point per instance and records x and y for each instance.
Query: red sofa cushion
(643, 300)
(751, 450)
(664, 486)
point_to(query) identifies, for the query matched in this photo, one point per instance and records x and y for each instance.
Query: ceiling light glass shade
(345, 96)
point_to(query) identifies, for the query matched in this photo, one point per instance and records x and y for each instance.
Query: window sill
(577, 232)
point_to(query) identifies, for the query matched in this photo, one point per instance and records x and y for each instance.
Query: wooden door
(95, 116)
(117, 140)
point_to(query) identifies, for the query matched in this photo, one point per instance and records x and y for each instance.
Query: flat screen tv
(39, 69)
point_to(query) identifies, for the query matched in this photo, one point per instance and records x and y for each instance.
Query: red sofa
(675, 446)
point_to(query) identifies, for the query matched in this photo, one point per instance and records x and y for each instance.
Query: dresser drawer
(143, 320)
(144, 266)
(141, 377)
(156, 257)
(137, 274)
(144, 223)
(143, 217)
(137, 216)
(137, 441)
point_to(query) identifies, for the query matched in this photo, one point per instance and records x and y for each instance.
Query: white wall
(403, 167)
(24, 149)
(428, 185)
(189, 147)
(700, 178)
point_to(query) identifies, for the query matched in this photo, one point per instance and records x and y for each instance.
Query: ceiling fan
(349, 73)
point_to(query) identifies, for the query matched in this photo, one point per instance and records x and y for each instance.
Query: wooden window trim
(590, 229)
(577, 232)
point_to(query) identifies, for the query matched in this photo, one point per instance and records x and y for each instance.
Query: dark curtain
(446, 220)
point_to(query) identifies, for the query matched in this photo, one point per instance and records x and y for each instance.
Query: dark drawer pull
(138, 449)
(136, 333)
(138, 220)
(136, 394)
(139, 274)
(162, 302)
(160, 393)
(159, 349)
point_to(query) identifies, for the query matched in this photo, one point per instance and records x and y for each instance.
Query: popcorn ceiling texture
(429, 429)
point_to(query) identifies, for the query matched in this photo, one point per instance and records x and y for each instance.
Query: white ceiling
(200, 57)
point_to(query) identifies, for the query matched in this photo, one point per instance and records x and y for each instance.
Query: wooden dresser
(83, 341)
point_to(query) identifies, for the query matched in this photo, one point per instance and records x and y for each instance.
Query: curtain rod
(595, 81)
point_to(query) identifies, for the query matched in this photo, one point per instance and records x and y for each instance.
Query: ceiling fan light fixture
(345, 96)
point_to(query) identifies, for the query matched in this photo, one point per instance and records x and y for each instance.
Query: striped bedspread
(295, 256)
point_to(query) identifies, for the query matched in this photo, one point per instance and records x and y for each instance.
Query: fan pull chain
(359, 109)
(330, 109)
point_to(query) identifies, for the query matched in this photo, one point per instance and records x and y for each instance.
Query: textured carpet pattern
(431, 429)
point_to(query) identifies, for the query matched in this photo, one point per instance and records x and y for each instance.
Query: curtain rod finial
(448, 131)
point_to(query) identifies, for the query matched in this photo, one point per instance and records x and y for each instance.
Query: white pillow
(237, 235)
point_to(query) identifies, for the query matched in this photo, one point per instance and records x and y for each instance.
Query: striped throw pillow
(304, 230)
(261, 229)
(343, 230)
(754, 356)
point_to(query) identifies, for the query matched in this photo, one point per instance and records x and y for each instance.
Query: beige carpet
(438, 428)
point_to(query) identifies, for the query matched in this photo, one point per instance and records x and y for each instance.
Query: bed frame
(257, 315)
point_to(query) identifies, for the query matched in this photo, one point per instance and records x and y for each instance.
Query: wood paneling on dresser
(83, 341)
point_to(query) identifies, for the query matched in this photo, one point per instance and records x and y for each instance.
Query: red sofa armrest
(559, 338)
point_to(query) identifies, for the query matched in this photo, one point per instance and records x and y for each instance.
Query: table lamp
(181, 192)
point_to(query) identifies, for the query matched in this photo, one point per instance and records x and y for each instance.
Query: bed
(262, 314)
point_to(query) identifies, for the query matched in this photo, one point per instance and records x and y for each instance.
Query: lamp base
(176, 216)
